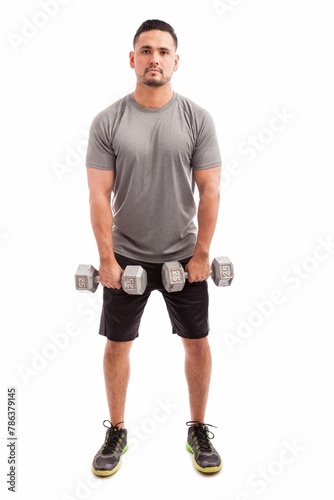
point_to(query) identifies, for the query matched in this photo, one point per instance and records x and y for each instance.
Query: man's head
(155, 24)
(154, 57)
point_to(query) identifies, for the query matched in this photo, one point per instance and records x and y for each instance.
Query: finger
(115, 286)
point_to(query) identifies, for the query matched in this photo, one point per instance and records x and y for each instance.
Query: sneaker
(206, 458)
(108, 460)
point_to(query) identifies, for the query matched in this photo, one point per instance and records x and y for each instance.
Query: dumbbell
(174, 276)
(134, 279)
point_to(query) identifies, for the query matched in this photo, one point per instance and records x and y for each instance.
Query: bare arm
(208, 183)
(100, 184)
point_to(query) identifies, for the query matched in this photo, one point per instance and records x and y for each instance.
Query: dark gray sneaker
(205, 456)
(108, 460)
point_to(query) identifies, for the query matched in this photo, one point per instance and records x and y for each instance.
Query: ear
(176, 62)
(132, 59)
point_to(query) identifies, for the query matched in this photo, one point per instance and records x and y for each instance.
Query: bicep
(208, 180)
(100, 182)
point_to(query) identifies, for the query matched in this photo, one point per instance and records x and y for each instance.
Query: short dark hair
(155, 24)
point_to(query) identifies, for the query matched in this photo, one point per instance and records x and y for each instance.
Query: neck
(152, 97)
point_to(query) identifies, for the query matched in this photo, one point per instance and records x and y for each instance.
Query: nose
(154, 60)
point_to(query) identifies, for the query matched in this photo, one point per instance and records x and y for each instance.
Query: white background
(245, 61)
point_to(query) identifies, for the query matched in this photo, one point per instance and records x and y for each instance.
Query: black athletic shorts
(187, 309)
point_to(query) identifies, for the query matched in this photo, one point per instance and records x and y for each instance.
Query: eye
(145, 51)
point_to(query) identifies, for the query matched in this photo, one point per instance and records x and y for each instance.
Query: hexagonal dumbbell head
(173, 276)
(86, 278)
(134, 280)
(222, 272)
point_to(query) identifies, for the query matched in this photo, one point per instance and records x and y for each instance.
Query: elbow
(211, 193)
(99, 198)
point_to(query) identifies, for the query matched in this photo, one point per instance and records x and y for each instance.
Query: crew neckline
(153, 110)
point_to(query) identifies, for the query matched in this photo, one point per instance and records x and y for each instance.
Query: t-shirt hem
(210, 165)
(161, 259)
(100, 167)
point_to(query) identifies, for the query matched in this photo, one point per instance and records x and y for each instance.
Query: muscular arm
(208, 183)
(100, 184)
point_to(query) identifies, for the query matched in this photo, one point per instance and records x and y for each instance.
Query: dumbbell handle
(97, 280)
(186, 274)
(123, 278)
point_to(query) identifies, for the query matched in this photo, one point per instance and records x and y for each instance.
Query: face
(154, 59)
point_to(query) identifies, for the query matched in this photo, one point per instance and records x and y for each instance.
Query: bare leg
(116, 366)
(198, 366)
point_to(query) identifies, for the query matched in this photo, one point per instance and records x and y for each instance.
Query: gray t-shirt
(153, 153)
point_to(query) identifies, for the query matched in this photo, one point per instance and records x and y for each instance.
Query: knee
(196, 347)
(117, 350)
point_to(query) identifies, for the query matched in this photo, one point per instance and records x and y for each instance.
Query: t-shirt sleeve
(206, 152)
(100, 153)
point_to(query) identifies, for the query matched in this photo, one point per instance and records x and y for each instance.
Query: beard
(153, 82)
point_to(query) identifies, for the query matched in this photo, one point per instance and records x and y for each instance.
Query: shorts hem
(200, 335)
(118, 339)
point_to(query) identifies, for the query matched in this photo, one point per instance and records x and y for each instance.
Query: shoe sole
(105, 473)
(206, 470)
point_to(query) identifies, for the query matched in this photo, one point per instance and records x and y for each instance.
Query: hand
(198, 269)
(110, 275)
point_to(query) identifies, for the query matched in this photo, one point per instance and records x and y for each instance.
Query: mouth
(153, 70)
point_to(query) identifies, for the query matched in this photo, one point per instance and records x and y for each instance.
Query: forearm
(102, 222)
(207, 216)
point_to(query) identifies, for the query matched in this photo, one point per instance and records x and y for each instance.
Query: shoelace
(111, 444)
(202, 434)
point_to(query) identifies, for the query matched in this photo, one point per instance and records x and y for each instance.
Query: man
(149, 150)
